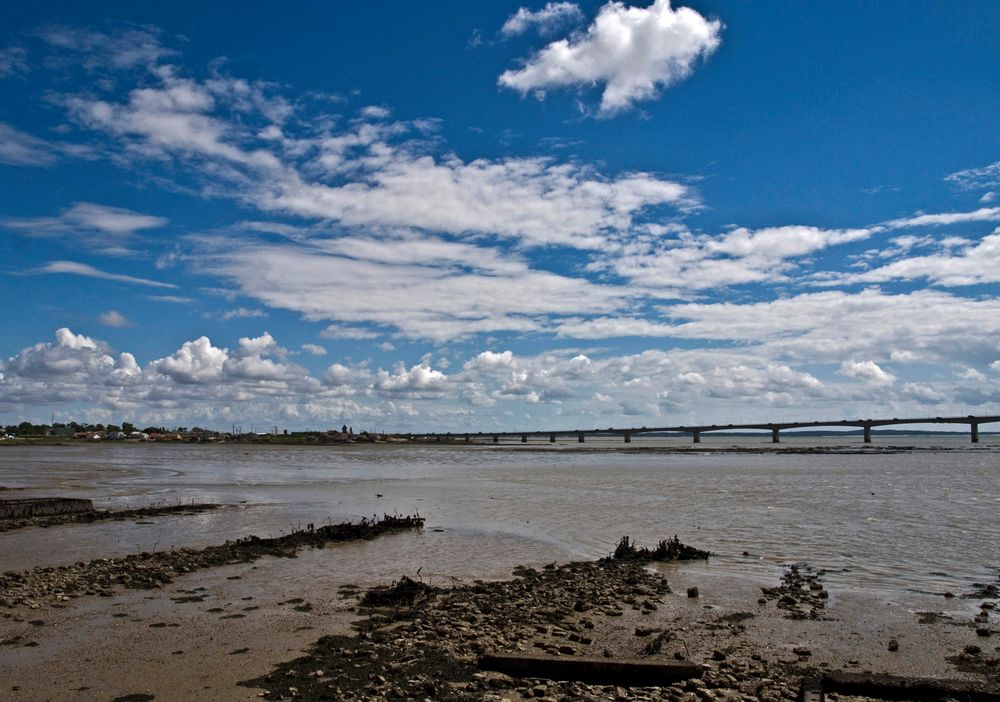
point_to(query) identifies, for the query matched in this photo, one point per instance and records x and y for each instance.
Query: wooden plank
(595, 671)
(894, 687)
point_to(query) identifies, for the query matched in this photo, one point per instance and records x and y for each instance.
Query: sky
(492, 216)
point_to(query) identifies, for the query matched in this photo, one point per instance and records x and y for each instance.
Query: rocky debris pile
(91, 516)
(666, 550)
(150, 570)
(430, 649)
(406, 592)
(801, 594)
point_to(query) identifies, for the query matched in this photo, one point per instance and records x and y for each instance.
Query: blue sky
(410, 216)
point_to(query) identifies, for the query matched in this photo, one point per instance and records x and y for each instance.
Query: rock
(893, 645)
(692, 592)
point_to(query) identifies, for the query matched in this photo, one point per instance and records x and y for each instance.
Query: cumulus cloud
(552, 17)
(633, 52)
(491, 359)
(314, 349)
(866, 370)
(420, 378)
(194, 362)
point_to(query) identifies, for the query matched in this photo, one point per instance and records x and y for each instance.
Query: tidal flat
(838, 562)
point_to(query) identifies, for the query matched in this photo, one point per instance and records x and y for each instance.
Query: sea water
(916, 514)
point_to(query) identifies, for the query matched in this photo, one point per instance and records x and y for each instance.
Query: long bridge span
(973, 422)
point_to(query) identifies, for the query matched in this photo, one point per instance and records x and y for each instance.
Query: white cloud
(491, 359)
(988, 197)
(633, 51)
(740, 256)
(121, 48)
(13, 62)
(83, 269)
(554, 16)
(194, 362)
(977, 178)
(114, 318)
(314, 349)
(241, 313)
(20, 149)
(420, 378)
(375, 112)
(90, 225)
(173, 299)
(969, 265)
(437, 300)
(984, 214)
(866, 370)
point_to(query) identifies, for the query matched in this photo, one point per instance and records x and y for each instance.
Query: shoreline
(233, 631)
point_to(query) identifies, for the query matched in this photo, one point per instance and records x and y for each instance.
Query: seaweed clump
(666, 550)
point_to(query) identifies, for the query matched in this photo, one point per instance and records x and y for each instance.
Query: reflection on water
(885, 521)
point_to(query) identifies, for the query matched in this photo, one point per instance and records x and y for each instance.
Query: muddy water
(914, 520)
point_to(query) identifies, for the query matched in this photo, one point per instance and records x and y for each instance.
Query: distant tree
(113, 427)
(153, 430)
(128, 427)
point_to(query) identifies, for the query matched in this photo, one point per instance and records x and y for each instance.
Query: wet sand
(203, 634)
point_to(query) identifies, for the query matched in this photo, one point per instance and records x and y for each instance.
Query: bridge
(775, 428)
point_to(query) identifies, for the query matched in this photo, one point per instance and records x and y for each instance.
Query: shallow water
(922, 520)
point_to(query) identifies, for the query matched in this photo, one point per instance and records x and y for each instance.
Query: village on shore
(28, 433)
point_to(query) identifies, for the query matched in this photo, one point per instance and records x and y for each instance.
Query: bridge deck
(696, 430)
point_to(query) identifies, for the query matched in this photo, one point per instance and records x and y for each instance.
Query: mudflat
(270, 627)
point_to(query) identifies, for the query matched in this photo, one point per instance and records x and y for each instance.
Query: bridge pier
(974, 430)
(868, 433)
(466, 438)
(496, 439)
(579, 437)
(697, 436)
(628, 437)
(552, 438)
(437, 439)
(524, 438)
(774, 435)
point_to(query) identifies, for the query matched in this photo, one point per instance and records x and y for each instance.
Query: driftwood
(595, 671)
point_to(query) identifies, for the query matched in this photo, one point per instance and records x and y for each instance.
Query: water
(922, 520)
